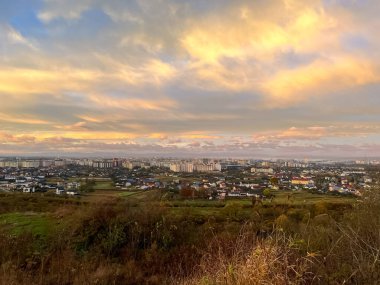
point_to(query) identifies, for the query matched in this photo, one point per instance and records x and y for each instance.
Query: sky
(215, 78)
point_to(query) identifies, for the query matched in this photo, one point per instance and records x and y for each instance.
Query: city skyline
(254, 79)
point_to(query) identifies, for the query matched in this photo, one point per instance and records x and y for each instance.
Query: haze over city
(284, 78)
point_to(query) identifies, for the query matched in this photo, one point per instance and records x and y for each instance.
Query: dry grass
(273, 260)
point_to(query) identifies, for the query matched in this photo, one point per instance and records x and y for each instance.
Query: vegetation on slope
(131, 241)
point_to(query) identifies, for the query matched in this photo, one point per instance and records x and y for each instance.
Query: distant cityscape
(204, 178)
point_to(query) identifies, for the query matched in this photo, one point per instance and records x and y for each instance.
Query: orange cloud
(318, 132)
(42, 80)
(160, 136)
(6, 138)
(79, 135)
(243, 33)
(79, 126)
(160, 104)
(91, 119)
(22, 119)
(322, 76)
(151, 71)
(30, 81)
(198, 135)
(241, 52)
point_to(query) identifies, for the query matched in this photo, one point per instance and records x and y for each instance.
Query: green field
(291, 198)
(54, 180)
(104, 185)
(280, 197)
(304, 198)
(36, 223)
(145, 196)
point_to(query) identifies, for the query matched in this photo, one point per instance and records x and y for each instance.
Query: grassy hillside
(121, 237)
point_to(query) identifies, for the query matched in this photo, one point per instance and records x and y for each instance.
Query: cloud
(79, 126)
(247, 51)
(22, 119)
(6, 138)
(290, 86)
(198, 135)
(35, 81)
(317, 133)
(11, 36)
(90, 118)
(243, 32)
(149, 71)
(251, 77)
(194, 144)
(69, 10)
(280, 146)
(73, 79)
(160, 104)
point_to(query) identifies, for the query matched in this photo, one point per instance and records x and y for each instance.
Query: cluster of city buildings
(37, 183)
(211, 178)
(31, 163)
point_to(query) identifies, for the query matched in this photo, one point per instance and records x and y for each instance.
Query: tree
(267, 192)
(88, 186)
(232, 210)
(274, 181)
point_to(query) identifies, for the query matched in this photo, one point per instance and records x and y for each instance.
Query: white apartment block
(30, 163)
(195, 167)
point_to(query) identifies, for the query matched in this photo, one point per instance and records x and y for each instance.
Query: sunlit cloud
(90, 118)
(198, 135)
(315, 133)
(152, 71)
(6, 138)
(79, 126)
(290, 86)
(132, 103)
(34, 81)
(258, 35)
(22, 119)
(247, 53)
